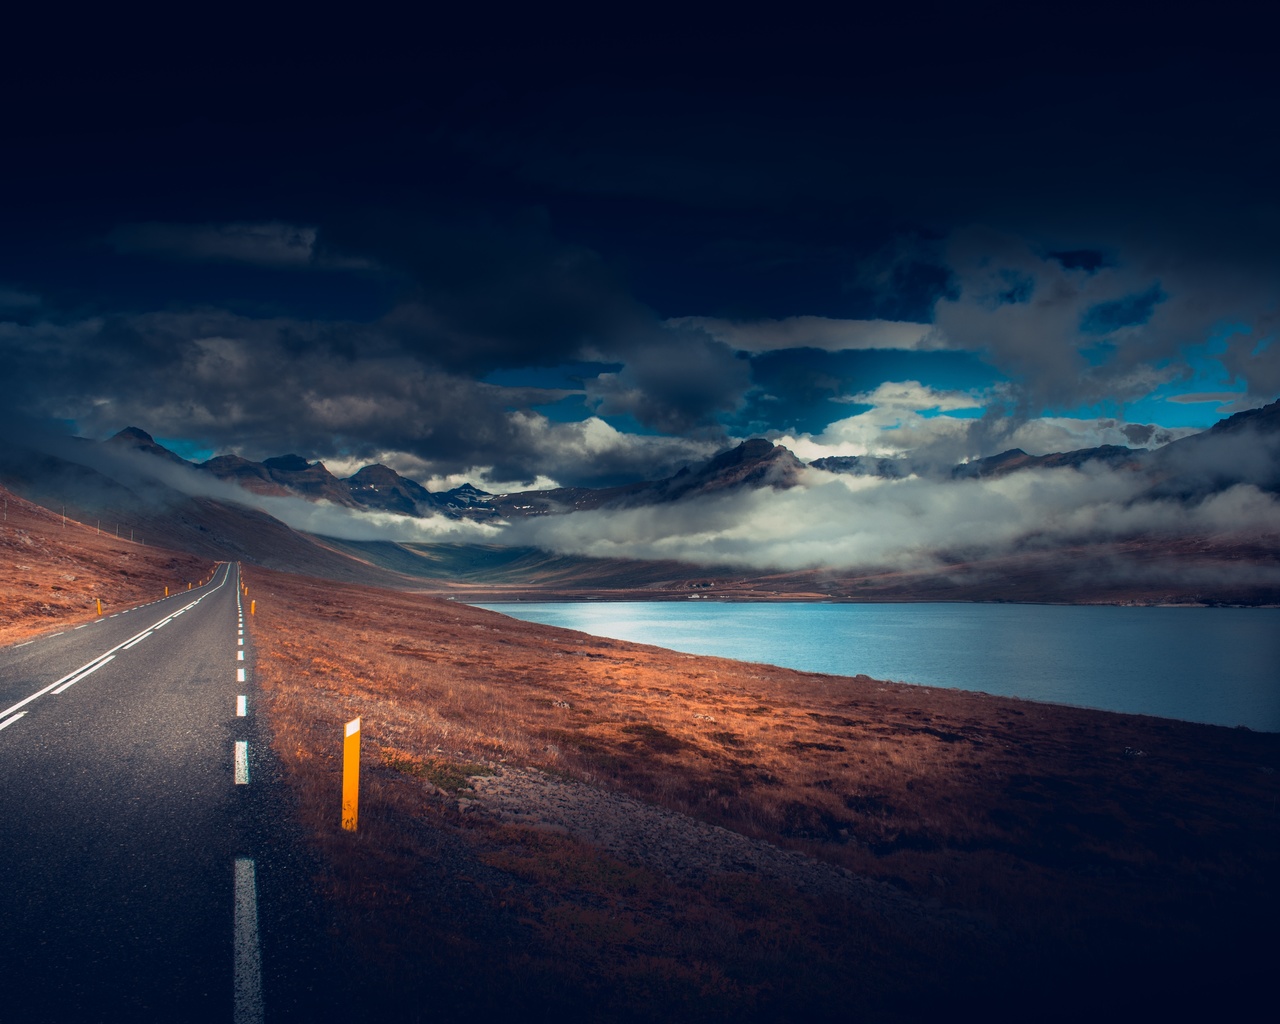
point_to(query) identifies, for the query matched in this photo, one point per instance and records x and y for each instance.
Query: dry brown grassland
(591, 829)
(53, 574)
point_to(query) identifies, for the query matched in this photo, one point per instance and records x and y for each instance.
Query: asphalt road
(145, 878)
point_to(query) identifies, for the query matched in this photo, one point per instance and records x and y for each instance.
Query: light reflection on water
(1216, 665)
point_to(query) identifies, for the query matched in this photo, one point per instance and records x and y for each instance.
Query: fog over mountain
(757, 506)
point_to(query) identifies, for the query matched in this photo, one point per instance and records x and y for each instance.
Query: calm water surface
(1217, 665)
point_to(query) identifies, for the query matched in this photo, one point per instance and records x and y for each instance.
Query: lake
(1215, 665)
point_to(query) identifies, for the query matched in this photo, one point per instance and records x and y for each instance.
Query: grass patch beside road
(1072, 859)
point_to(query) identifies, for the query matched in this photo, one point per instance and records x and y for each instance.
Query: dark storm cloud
(1067, 335)
(675, 380)
(492, 288)
(530, 206)
(263, 387)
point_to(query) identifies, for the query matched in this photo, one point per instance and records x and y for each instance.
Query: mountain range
(1240, 449)
(230, 507)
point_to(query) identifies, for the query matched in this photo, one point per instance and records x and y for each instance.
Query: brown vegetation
(53, 571)
(1000, 846)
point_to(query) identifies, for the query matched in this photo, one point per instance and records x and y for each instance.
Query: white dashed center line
(239, 675)
(247, 1000)
(242, 762)
(242, 708)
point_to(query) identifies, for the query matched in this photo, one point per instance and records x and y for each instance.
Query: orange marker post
(166, 591)
(99, 607)
(252, 607)
(351, 775)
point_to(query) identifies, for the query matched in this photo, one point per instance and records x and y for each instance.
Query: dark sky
(584, 248)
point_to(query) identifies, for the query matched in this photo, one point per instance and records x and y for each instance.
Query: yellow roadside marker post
(99, 607)
(188, 586)
(166, 591)
(252, 606)
(351, 775)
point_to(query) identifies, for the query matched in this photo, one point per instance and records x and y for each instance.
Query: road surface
(148, 873)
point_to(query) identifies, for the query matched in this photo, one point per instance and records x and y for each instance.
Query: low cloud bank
(1209, 489)
(863, 523)
(329, 520)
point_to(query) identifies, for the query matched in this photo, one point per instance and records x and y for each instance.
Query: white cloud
(329, 520)
(896, 425)
(893, 426)
(1066, 434)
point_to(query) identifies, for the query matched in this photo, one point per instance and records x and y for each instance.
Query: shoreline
(782, 642)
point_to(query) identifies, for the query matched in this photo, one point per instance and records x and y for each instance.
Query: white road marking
(90, 666)
(136, 640)
(81, 626)
(247, 999)
(240, 642)
(239, 675)
(239, 655)
(87, 672)
(242, 762)
(9, 721)
(24, 644)
(242, 708)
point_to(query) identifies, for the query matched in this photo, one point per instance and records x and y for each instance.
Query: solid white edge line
(9, 721)
(242, 708)
(27, 643)
(247, 957)
(136, 640)
(81, 672)
(84, 669)
(242, 762)
(87, 672)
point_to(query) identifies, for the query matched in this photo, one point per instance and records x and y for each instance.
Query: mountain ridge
(753, 463)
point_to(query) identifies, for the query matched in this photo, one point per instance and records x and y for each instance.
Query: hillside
(148, 511)
(54, 571)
